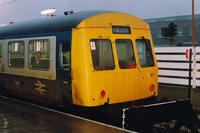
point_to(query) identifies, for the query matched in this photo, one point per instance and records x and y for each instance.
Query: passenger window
(145, 53)
(102, 55)
(65, 53)
(39, 53)
(16, 54)
(125, 53)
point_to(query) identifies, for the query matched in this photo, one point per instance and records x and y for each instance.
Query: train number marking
(17, 83)
(39, 87)
(150, 74)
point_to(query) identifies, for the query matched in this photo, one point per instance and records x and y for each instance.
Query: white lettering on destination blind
(121, 30)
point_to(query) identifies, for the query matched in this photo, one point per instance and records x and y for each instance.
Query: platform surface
(17, 117)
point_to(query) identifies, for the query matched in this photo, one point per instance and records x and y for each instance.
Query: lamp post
(190, 58)
(193, 25)
(48, 11)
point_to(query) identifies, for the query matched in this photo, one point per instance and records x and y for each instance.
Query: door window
(65, 54)
(145, 53)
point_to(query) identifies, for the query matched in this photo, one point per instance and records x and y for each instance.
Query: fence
(173, 63)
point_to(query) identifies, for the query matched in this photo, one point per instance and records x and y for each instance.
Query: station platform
(18, 117)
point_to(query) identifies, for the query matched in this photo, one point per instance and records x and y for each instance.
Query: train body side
(44, 81)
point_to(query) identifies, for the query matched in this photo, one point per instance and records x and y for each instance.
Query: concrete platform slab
(17, 117)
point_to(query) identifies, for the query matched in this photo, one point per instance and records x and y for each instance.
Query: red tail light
(103, 93)
(152, 87)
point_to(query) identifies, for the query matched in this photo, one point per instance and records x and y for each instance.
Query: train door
(1, 64)
(65, 71)
(148, 71)
(1, 42)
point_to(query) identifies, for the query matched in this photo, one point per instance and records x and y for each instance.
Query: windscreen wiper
(148, 47)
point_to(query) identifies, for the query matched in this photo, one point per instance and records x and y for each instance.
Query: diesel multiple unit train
(101, 62)
(89, 58)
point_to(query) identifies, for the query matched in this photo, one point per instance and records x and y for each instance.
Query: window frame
(145, 42)
(30, 62)
(102, 63)
(65, 65)
(19, 59)
(128, 63)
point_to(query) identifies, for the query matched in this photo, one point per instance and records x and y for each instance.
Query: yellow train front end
(113, 60)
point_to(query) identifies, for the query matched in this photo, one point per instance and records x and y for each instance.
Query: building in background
(184, 30)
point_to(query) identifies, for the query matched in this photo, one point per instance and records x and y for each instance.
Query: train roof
(51, 24)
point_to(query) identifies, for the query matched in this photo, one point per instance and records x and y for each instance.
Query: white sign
(92, 45)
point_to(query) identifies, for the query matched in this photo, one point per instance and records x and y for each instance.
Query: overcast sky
(21, 10)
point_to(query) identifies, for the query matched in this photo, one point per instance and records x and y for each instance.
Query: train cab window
(145, 53)
(39, 53)
(16, 54)
(65, 53)
(125, 53)
(102, 55)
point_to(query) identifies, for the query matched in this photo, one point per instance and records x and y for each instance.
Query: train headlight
(152, 87)
(103, 93)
